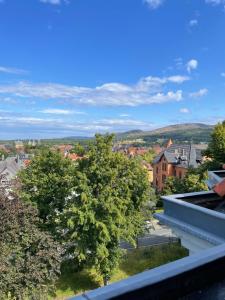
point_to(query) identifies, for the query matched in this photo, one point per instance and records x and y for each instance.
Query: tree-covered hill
(190, 132)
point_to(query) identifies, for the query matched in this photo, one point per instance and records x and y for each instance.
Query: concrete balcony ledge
(194, 218)
(192, 230)
(174, 280)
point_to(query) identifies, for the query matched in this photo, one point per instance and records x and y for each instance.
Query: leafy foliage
(216, 148)
(132, 262)
(47, 182)
(29, 258)
(3, 154)
(192, 182)
(78, 149)
(106, 205)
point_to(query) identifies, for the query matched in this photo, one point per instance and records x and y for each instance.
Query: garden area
(133, 262)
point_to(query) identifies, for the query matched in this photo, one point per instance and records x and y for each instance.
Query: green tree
(192, 182)
(106, 206)
(216, 148)
(29, 258)
(47, 182)
(173, 185)
(149, 156)
(3, 154)
(78, 149)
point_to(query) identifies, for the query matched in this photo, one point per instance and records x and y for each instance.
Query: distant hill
(189, 132)
(76, 138)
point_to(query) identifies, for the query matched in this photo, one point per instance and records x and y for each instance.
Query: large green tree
(29, 258)
(216, 148)
(47, 182)
(106, 206)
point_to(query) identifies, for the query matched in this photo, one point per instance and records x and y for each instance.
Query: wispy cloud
(59, 127)
(56, 111)
(179, 63)
(193, 23)
(154, 4)
(147, 90)
(184, 110)
(13, 71)
(178, 79)
(200, 93)
(124, 115)
(55, 2)
(192, 65)
(123, 122)
(215, 2)
(223, 74)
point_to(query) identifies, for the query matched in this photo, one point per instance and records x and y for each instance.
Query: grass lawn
(133, 262)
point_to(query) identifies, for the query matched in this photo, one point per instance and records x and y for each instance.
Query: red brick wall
(162, 170)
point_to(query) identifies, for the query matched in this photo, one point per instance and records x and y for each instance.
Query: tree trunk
(137, 243)
(106, 281)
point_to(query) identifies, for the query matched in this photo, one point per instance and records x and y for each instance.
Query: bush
(29, 258)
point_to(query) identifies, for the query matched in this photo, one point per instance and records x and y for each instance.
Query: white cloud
(179, 63)
(13, 71)
(147, 90)
(223, 74)
(200, 93)
(8, 100)
(57, 111)
(215, 2)
(178, 79)
(123, 122)
(193, 22)
(184, 110)
(59, 127)
(54, 2)
(124, 115)
(154, 4)
(192, 65)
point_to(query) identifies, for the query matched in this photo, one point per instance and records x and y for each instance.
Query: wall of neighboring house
(162, 170)
(180, 172)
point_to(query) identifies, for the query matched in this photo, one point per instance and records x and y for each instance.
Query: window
(163, 178)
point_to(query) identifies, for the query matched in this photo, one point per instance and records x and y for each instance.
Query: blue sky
(76, 67)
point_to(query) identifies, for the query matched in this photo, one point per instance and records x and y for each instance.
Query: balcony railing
(201, 274)
(187, 213)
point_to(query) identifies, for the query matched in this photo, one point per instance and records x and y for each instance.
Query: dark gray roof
(10, 166)
(183, 155)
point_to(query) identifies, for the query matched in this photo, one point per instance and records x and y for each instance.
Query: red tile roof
(26, 162)
(74, 156)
